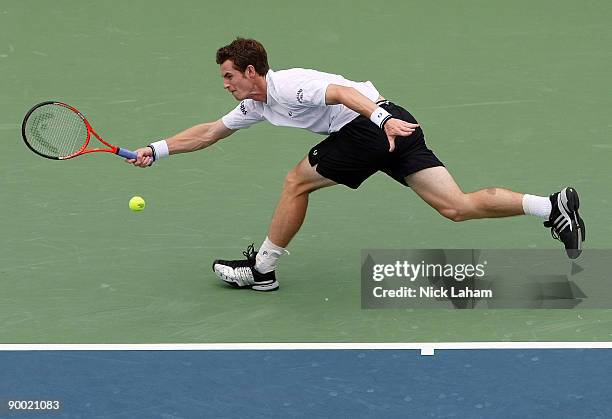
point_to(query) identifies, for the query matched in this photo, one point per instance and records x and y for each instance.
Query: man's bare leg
(291, 208)
(257, 271)
(437, 187)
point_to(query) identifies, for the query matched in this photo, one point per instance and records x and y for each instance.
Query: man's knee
(295, 183)
(304, 178)
(453, 214)
(457, 209)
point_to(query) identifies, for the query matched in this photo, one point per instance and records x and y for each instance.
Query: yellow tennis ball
(137, 203)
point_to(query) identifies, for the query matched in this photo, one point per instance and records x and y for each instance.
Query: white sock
(267, 256)
(537, 205)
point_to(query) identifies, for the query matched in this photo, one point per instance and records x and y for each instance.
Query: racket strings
(56, 131)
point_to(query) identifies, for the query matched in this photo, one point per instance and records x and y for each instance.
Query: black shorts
(360, 149)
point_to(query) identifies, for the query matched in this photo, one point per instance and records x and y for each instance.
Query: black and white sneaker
(242, 273)
(565, 223)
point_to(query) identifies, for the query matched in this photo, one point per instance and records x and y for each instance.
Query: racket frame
(83, 150)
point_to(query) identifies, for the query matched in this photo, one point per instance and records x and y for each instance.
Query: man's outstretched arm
(192, 139)
(355, 100)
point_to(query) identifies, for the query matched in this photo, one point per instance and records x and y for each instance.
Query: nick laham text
(431, 292)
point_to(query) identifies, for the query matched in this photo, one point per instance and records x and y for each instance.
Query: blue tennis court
(312, 383)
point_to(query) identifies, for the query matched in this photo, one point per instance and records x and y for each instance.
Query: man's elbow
(337, 94)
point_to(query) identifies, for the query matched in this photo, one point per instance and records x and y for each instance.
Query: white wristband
(161, 149)
(380, 117)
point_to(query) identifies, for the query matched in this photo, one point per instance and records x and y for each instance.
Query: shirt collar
(269, 84)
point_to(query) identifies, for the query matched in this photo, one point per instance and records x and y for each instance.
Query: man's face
(237, 83)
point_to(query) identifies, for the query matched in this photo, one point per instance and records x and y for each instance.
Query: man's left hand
(398, 128)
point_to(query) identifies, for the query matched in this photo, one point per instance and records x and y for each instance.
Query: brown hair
(244, 52)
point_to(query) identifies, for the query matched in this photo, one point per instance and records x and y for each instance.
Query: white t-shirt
(296, 98)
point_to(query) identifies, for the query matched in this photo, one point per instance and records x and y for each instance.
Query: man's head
(242, 62)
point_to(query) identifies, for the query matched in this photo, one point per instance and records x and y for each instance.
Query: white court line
(426, 348)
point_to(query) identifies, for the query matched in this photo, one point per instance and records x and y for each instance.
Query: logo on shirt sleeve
(300, 95)
(243, 108)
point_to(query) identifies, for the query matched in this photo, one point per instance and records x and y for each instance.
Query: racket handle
(126, 153)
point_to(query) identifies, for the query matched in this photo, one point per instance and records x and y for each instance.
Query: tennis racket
(58, 131)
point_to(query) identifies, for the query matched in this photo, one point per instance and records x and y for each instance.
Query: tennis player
(365, 133)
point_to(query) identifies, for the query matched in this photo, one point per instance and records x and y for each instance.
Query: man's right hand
(144, 157)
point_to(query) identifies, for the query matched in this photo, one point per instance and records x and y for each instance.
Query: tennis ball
(137, 203)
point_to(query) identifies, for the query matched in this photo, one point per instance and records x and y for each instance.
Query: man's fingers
(401, 123)
(391, 139)
(406, 129)
(402, 132)
(143, 159)
(397, 127)
(406, 126)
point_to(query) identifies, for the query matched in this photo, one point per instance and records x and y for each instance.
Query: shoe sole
(255, 287)
(577, 217)
(274, 286)
(569, 203)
